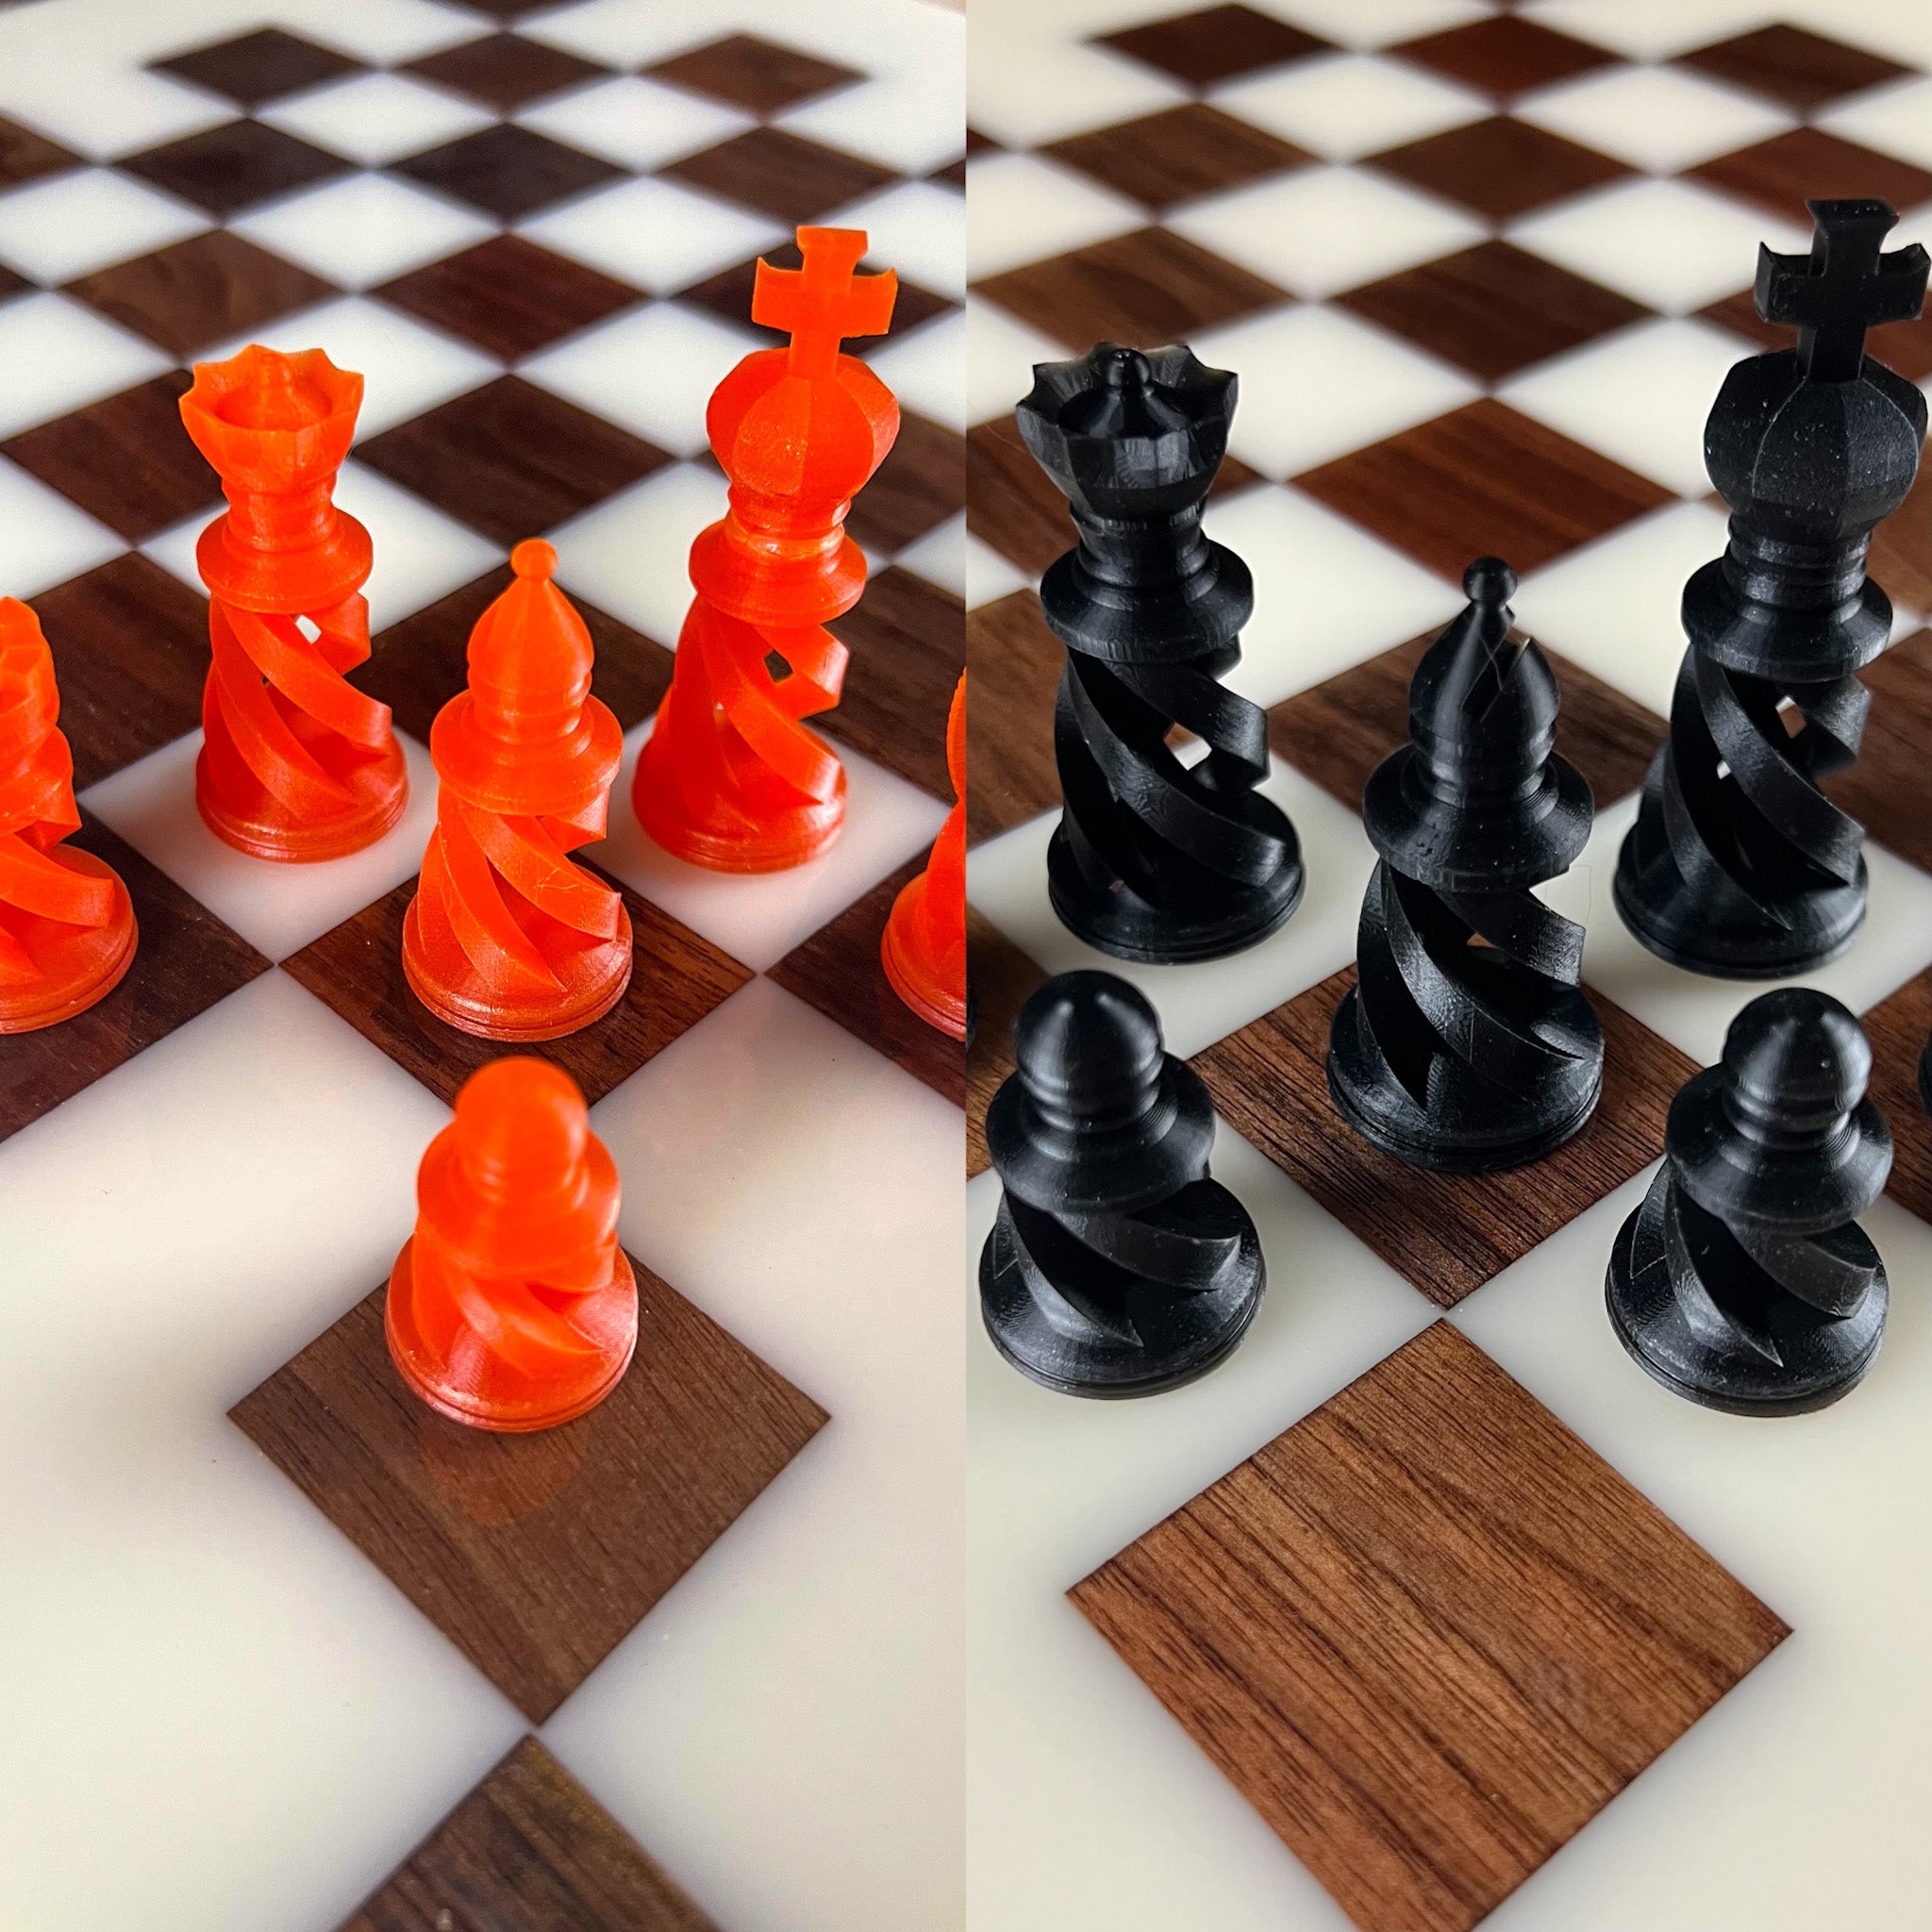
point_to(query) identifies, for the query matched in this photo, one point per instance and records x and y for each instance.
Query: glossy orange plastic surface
(923, 946)
(511, 1307)
(296, 763)
(729, 777)
(506, 938)
(67, 930)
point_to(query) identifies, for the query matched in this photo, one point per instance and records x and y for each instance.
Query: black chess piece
(1154, 860)
(1117, 1267)
(1467, 1042)
(1738, 865)
(1744, 1281)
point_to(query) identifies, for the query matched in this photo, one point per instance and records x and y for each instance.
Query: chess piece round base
(77, 966)
(1369, 1098)
(1182, 1337)
(595, 978)
(912, 974)
(443, 1372)
(1117, 921)
(1665, 919)
(729, 841)
(379, 791)
(1649, 1323)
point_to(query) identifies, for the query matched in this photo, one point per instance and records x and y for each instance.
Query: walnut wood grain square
(1900, 559)
(1428, 1634)
(1493, 308)
(26, 156)
(505, 71)
(126, 460)
(921, 483)
(1174, 156)
(507, 296)
(1338, 731)
(506, 172)
(1904, 347)
(1791, 64)
(1806, 163)
(200, 292)
(232, 167)
(1503, 56)
(130, 657)
(837, 972)
(418, 665)
(676, 979)
(1013, 664)
(185, 961)
(1483, 480)
(727, 295)
(908, 640)
(535, 1554)
(749, 72)
(1500, 167)
(256, 68)
(1215, 43)
(1145, 289)
(1887, 790)
(780, 174)
(1447, 1233)
(511, 459)
(1001, 977)
(1898, 1029)
(530, 1850)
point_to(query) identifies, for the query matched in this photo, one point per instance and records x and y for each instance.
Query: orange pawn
(67, 930)
(729, 777)
(923, 946)
(506, 938)
(511, 1307)
(295, 764)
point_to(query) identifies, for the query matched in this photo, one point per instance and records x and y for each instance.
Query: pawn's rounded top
(534, 558)
(1797, 1061)
(521, 1129)
(1489, 582)
(1089, 1050)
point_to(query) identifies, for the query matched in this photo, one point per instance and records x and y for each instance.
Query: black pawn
(1738, 865)
(1153, 860)
(1466, 1042)
(1744, 1280)
(1116, 1266)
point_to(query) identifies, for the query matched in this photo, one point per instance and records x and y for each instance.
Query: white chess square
(55, 356)
(940, 556)
(1657, 29)
(1000, 352)
(364, 228)
(1024, 207)
(1316, 383)
(913, 123)
(376, 118)
(1344, 105)
(1058, 87)
(628, 555)
(1661, 119)
(622, 34)
(989, 576)
(651, 369)
(917, 229)
(385, 31)
(1895, 119)
(923, 369)
(1376, 22)
(1640, 395)
(421, 555)
(654, 234)
(1325, 229)
(1671, 244)
(635, 122)
(70, 225)
(103, 110)
(48, 539)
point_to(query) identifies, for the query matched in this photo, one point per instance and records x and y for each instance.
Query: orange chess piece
(729, 777)
(511, 1307)
(295, 764)
(506, 938)
(67, 930)
(923, 946)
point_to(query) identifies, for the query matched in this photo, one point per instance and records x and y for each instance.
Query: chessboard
(1428, 1609)
(282, 1650)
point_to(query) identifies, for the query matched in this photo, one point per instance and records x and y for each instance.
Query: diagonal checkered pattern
(534, 230)
(1480, 271)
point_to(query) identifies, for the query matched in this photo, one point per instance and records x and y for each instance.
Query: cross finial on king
(1844, 287)
(824, 302)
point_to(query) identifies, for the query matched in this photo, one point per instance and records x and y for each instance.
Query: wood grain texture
(1447, 1233)
(535, 1554)
(1889, 790)
(505, 71)
(1013, 664)
(921, 483)
(1337, 732)
(1204, 44)
(1900, 560)
(1001, 977)
(1898, 1029)
(837, 971)
(26, 156)
(1803, 164)
(1177, 155)
(226, 169)
(508, 171)
(1794, 65)
(908, 640)
(185, 961)
(781, 173)
(1427, 1634)
(255, 68)
(753, 74)
(1503, 56)
(676, 979)
(530, 1850)
(1499, 168)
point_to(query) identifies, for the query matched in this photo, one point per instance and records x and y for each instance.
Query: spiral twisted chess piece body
(1116, 1266)
(296, 763)
(1154, 860)
(67, 928)
(731, 779)
(511, 1307)
(922, 948)
(1467, 1042)
(506, 936)
(1738, 865)
(1744, 1281)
